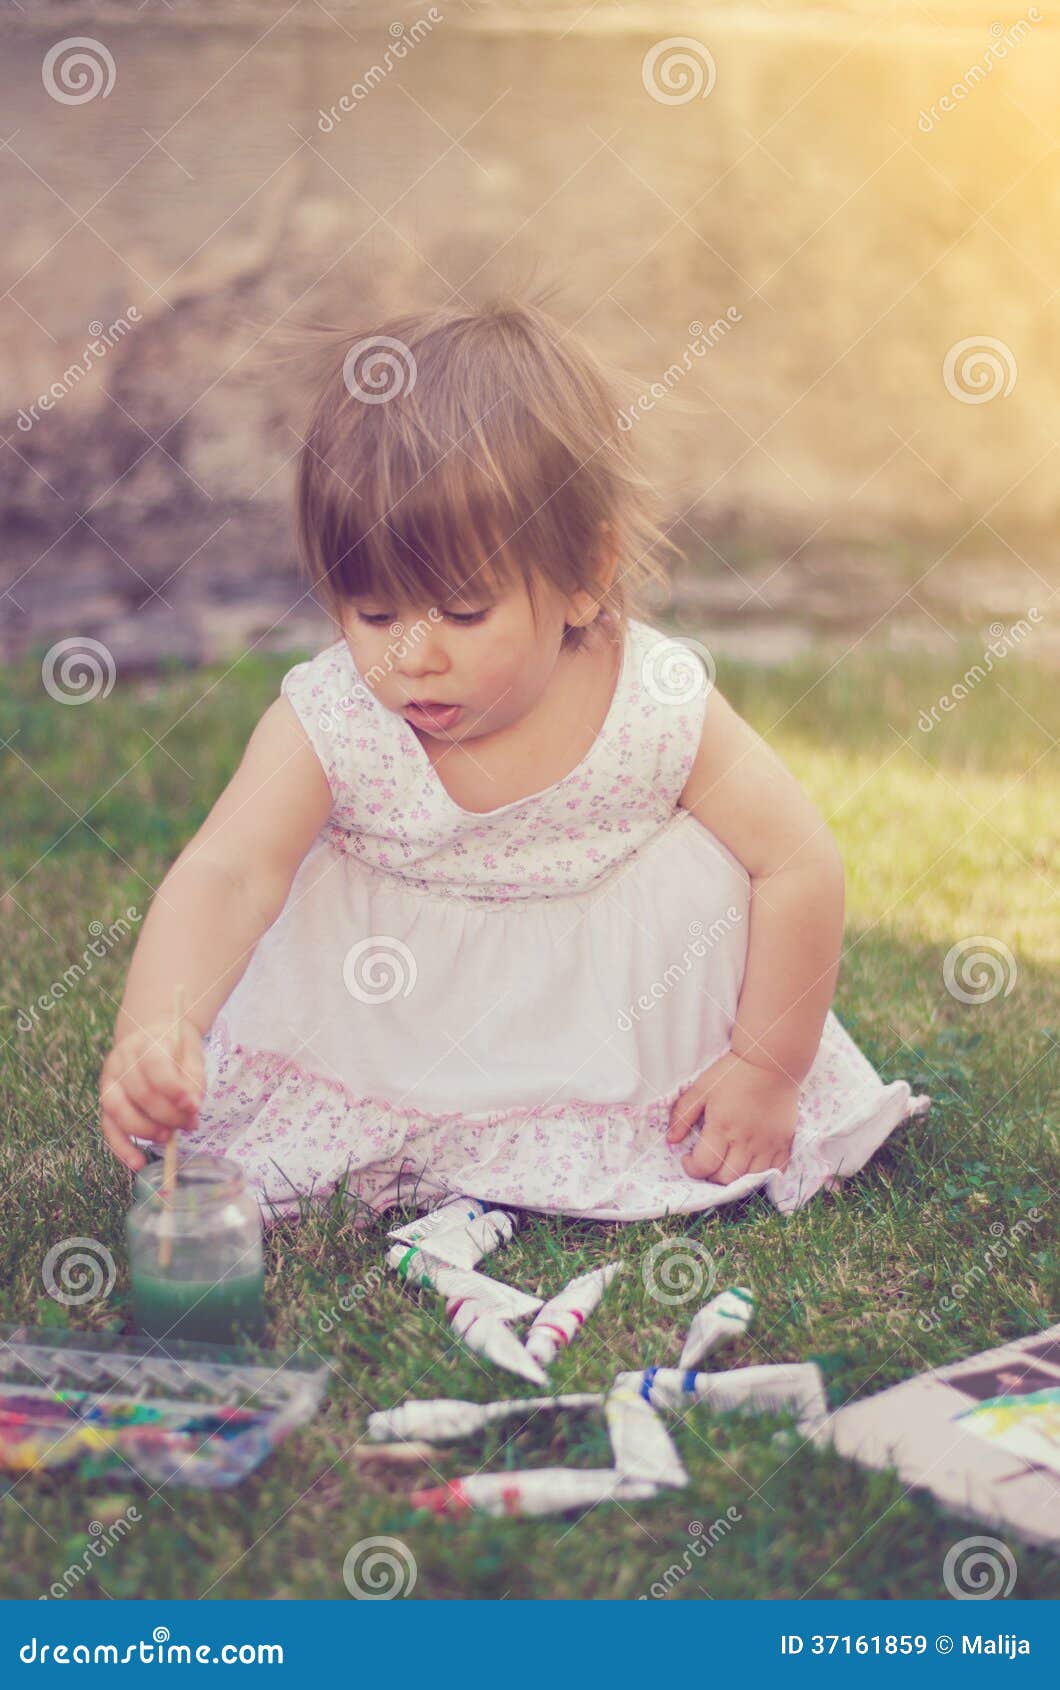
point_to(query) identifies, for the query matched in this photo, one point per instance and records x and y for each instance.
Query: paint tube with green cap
(418, 1267)
(724, 1318)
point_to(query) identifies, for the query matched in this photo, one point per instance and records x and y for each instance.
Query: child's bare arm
(743, 793)
(739, 788)
(225, 889)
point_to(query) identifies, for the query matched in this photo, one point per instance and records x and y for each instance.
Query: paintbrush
(169, 1161)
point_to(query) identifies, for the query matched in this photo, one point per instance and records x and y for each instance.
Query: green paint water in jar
(212, 1286)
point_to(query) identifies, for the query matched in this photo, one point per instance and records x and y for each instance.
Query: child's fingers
(160, 1068)
(775, 1155)
(120, 1119)
(156, 1102)
(128, 1117)
(684, 1113)
(689, 1104)
(706, 1159)
(124, 1150)
(736, 1162)
(731, 1165)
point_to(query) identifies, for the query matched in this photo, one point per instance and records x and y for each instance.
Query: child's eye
(377, 620)
(467, 619)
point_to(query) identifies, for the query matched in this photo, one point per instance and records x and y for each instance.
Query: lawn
(946, 835)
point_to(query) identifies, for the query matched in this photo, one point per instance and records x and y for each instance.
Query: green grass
(945, 836)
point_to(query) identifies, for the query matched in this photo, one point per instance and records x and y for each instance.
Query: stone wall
(822, 251)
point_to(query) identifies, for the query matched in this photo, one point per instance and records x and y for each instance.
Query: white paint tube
(555, 1325)
(443, 1419)
(643, 1448)
(724, 1318)
(539, 1490)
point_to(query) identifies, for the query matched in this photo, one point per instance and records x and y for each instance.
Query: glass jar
(196, 1257)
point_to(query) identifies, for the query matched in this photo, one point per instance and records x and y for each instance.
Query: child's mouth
(436, 716)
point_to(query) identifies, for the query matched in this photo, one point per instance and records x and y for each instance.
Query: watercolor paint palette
(177, 1413)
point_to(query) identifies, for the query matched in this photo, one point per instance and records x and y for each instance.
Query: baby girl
(504, 897)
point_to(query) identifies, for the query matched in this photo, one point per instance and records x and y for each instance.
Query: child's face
(480, 651)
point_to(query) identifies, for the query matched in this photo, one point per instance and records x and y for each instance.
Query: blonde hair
(456, 447)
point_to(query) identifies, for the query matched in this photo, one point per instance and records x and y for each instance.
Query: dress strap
(332, 703)
(666, 703)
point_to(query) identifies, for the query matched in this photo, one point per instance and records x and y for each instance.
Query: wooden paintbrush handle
(169, 1160)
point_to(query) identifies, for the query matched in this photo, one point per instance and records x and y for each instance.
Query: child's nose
(428, 659)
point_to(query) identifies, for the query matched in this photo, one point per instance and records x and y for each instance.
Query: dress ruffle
(297, 1132)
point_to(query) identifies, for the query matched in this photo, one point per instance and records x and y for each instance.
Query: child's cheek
(495, 673)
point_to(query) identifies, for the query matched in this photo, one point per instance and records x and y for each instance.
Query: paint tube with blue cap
(454, 1212)
(464, 1244)
(795, 1387)
(642, 1447)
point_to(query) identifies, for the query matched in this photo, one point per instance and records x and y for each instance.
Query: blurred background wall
(822, 242)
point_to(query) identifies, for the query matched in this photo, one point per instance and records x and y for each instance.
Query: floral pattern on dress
(393, 812)
(583, 890)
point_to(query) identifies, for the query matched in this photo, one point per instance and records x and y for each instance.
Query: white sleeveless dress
(506, 1004)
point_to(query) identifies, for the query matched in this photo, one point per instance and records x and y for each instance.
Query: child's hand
(749, 1121)
(151, 1085)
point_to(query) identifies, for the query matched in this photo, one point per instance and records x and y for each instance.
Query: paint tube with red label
(482, 1332)
(555, 1325)
(540, 1490)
